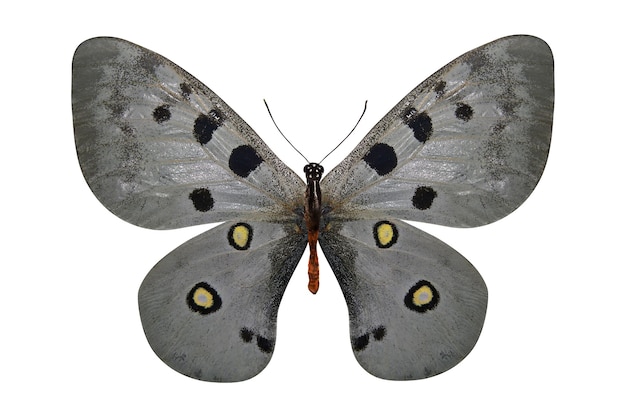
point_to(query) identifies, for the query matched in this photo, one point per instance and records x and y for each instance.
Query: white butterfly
(161, 150)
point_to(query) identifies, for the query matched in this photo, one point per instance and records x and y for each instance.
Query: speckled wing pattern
(464, 148)
(161, 150)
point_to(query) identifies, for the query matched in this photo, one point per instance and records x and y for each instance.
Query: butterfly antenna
(344, 139)
(281, 133)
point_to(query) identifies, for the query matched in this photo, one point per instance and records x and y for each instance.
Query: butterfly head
(313, 171)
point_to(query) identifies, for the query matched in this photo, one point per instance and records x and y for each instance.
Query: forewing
(416, 306)
(209, 307)
(464, 148)
(161, 150)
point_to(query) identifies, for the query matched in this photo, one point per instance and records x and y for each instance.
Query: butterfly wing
(464, 148)
(416, 306)
(161, 150)
(209, 307)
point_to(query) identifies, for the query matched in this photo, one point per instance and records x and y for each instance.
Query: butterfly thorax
(312, 214)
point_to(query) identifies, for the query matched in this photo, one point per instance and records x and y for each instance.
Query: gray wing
(416, 306)
(464, 148)
(209, 307)
(161, 150)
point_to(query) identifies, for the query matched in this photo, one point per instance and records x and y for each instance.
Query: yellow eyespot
(385, 234)
(203, 299)
(240, 236)
(422, 297)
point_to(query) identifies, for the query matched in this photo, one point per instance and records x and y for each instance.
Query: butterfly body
(312, 216)
(161, 150)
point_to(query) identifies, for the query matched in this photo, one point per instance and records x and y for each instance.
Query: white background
(71, 338)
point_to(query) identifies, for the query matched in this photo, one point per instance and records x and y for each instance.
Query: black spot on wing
(463, 112)
(185, 90)
(361, 342)
(419, 122)
(424, 197)
(381, 158)
(265, 345)
(246, 335)
(243, 160)
(379, 333)
(162, 113)
(440, 88)
(202, 199)
(206, 124)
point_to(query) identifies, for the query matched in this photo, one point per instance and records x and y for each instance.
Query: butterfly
(160, 150)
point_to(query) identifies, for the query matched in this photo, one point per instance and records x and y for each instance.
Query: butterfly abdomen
(312, 215)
